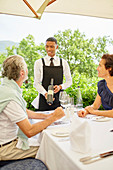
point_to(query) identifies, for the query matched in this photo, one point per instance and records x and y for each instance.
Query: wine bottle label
(50, 92)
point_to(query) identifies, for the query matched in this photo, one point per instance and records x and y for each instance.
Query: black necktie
(51, 63)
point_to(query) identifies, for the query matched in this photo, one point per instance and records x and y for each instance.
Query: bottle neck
(79, 96)
(51, 81)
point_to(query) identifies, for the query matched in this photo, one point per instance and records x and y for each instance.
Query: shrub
(29, 94)
(88, 88)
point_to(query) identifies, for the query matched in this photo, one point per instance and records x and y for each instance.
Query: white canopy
(96, 8)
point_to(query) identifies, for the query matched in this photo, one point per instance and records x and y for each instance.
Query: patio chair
(23, 164)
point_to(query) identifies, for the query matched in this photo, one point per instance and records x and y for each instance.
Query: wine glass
(63, 98)
(66, 103)
(71, 109)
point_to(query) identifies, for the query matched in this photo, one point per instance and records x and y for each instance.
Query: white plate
(101, 119)
(60, 134)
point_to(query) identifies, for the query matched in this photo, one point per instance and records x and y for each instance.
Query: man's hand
(58, 113)
(57, 88)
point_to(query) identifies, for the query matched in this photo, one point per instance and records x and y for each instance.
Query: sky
(15, 28)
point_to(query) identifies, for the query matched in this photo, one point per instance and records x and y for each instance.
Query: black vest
(55, 72)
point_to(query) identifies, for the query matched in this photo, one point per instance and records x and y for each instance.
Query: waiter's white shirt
(38, 75)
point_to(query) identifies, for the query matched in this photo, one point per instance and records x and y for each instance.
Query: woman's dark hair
(108, 62)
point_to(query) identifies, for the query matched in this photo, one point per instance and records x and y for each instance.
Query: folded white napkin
(33, 141)
(80, 136)
(35, 102)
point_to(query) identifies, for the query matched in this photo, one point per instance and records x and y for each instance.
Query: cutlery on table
(91, 159)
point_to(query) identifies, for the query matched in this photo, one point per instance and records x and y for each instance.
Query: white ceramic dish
(60, 134)
(101, 119)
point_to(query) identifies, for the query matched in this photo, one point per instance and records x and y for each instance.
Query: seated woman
(105, 90)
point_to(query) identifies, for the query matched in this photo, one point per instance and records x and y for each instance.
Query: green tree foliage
(29, 50)
(80, 52)
(10, 51)
(2, 58)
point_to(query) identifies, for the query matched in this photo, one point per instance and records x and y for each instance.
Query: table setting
(80, 143)
(74, 140)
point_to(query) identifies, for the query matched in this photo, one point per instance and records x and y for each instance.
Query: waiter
(51, 66)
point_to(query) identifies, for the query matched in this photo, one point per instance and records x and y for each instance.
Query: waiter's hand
(46, 97)
(57, 88)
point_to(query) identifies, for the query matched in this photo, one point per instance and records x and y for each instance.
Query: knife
(91, 159)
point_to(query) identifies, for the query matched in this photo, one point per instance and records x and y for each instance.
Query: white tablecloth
(58, 155)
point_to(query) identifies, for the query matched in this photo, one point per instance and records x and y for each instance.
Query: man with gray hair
(13, 113)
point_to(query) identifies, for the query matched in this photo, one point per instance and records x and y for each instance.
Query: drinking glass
(67, 107)
(71, 108)
(64, 101)
(63, 98)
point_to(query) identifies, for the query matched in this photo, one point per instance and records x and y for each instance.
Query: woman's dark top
(106, 95)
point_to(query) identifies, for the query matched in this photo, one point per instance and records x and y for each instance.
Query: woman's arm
(90, 109)
(106, 113)
(94, 109)
(97, 102)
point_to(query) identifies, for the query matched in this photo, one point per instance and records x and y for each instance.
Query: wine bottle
(50, 92)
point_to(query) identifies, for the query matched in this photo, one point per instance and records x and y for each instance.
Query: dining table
(57, 153)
